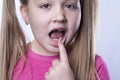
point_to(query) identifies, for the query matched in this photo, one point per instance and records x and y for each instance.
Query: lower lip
(55, 41)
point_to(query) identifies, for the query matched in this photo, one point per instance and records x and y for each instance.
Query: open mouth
(57, 34)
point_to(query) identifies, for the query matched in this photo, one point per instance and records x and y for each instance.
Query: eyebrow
(71, 0)
(52, 0)
(36, 1)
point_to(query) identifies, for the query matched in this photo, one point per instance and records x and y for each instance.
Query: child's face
(51, 20)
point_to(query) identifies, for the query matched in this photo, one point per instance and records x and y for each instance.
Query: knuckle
(46, 75)
(50, 69)
(55, 62)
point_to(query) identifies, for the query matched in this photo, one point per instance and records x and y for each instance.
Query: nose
(59, 15)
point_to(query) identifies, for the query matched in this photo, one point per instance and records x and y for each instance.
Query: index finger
(63, 53)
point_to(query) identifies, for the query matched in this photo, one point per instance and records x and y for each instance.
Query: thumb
(63, 53)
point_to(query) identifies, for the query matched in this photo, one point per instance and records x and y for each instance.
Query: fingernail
(59, 41)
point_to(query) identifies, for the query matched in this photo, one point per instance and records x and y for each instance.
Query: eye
(71, 6)
(45, 6)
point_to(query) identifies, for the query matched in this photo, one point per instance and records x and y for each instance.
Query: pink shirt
(37, 65)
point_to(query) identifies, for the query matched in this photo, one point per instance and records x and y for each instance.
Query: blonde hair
(13, 43)
(83, 58)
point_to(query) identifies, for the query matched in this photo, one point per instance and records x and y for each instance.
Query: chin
(54, 50)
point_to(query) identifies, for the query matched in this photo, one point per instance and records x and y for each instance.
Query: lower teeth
(57, 39)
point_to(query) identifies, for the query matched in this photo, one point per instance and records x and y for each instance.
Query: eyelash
(71, 6)
(45, 6)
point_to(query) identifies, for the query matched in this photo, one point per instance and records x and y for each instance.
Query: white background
(107, 36)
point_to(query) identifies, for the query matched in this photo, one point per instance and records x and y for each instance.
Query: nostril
(60, 19)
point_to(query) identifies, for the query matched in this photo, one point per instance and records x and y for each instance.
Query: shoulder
(101, 68)
(22, 70)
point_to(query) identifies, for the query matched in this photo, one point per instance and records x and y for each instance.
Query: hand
(60, 69)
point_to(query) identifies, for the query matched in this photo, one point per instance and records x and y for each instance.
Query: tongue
(56, 34)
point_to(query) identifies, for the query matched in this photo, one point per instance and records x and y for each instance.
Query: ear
(24, 13)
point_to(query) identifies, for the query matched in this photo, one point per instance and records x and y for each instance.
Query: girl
(63, 48)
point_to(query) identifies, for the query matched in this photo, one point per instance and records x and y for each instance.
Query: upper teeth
(60, 30)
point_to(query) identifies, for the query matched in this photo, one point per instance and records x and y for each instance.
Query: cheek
(39, 28)
(38, 23)
(74, 24)
(37, 18)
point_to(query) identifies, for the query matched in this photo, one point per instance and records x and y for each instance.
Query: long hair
(82, 59)
(12, 40)
(13, 44)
